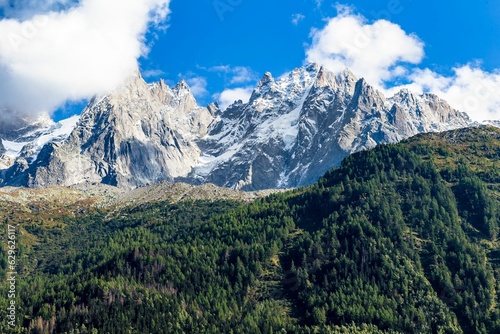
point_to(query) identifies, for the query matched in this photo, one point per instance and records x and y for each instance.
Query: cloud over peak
(373, 51)
(383, 53)
(85, 49)
(231, 95)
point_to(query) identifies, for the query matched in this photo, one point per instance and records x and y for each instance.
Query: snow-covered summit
(297, 127)
(34, 137)
(293, 129)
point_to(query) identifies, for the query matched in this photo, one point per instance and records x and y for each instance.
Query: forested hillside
(399, 239)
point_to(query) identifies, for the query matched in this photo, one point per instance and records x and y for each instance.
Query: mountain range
(291, 131)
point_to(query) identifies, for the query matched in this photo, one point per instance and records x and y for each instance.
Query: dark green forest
(399, 239)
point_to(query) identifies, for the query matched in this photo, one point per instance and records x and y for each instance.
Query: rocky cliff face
(296, 128)
(20, 134)
(289, 134)
(137, 135)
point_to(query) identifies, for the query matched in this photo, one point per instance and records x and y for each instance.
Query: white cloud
(229, 96)
(198, 86)
(296, 18)
(373, 51)
(470, 89)
(152, 73)
(237, 74)
(382, 52)
(242, 75)
(72, 54)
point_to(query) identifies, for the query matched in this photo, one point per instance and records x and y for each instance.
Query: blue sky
(274, 36)
(260, 34)
(450, 48)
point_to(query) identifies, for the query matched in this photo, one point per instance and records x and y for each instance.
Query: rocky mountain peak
(14, 125)
(292, 130)
(213, 108)
(266, 80)
(265, 86)
(366, 98)
(182, 86)
(42, 120)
